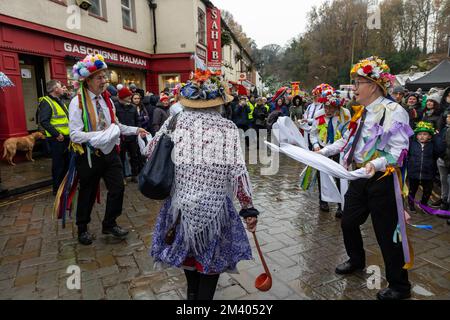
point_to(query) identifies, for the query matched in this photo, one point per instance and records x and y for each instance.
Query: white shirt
(336, 121)
(394, 146)
(76, 124)
(312, 110)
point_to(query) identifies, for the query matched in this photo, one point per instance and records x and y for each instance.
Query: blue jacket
(240, 115)
(422, 162)
(284, 109)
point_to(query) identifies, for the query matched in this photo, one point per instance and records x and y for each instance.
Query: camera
(84, 4)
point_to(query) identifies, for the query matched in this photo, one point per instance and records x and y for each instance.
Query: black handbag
(156, 178)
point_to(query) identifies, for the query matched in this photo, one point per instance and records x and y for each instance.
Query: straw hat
(205, 90)
(374, 69)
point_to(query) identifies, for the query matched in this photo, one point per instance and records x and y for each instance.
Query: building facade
(148, 42)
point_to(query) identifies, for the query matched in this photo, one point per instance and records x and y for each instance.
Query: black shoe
(134, 179)
(324, 206)
(391, 294)
(85, 238)
(448, 221)
(347, 268)
(436, 203)
(444, 206)
(338, 213)
(412, 208)
(116, 231)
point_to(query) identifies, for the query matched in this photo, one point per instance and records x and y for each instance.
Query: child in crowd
(423, 153)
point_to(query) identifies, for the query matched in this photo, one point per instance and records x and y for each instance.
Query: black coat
(127, 115)
(260, 115)
(422, 162)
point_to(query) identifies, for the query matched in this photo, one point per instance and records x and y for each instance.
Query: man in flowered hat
(377, 140)
(320, 94)
(91, 114)
(327, 127)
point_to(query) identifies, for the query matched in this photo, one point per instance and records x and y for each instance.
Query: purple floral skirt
(222, 254)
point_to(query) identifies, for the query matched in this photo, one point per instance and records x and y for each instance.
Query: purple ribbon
(430, 210)
(402, 157)
(375, 132)
(401, 218)
(397, 128)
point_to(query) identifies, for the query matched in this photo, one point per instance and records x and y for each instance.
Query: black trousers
(377, 198)
(109, 167)
(132, 148)
(60, 160)
(201, 286)
(427, 186)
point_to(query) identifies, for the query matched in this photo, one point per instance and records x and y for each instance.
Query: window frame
(61, 2)
(103, 16)
(201, 32)
(132, 10)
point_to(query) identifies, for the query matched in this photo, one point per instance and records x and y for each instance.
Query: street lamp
(353, 45)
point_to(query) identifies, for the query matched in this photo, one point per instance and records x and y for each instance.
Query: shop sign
(108, 55)
(214, 33)
(201, 53)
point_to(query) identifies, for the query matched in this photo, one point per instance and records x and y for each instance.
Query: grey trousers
(443, 173)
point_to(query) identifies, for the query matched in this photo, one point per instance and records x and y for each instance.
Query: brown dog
(12, 145)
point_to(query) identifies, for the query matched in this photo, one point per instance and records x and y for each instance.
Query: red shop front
(32, 54)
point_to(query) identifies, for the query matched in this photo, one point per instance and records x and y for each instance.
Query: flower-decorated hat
(88, 66)
(205, 90)
(321, 88)
(322, 92)
(334, 100)
(376, 70)
(424, 126)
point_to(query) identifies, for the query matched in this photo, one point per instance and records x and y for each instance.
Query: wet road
(302, 247)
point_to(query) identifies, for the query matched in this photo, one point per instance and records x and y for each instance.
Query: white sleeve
(396, 144)
(76, 124)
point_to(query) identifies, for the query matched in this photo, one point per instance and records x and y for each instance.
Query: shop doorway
(33, 83)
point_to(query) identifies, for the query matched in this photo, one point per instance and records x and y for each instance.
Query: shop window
(128, 14)
(169, 81)
(201, 27)
(98, 9)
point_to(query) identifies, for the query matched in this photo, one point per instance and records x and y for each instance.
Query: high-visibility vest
(59, 119)
(252, 108)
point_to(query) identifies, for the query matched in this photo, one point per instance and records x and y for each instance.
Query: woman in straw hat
(209, 171)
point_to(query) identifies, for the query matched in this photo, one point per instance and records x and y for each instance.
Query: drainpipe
(153, 7)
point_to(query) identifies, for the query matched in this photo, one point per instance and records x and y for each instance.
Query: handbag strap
(173, 123)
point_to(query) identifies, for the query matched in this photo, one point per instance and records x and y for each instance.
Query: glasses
(357, 83)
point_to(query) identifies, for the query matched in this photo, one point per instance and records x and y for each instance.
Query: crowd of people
(373, 130)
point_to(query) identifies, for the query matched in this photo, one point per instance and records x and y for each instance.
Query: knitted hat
(124, 92)
(205, 90)
(424, 126)
(376, 70)
(398, 89)
(88, 67)
(434, 97)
